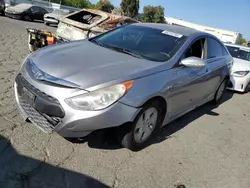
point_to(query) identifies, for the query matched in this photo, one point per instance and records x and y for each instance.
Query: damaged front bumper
(54, 115)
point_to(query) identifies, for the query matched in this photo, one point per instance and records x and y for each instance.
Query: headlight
(99, 99)
(240, 73)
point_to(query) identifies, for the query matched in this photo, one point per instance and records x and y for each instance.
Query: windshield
(239, 53)
(149, 43)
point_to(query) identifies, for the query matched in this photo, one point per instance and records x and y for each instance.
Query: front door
(37, 13)
(189, 84)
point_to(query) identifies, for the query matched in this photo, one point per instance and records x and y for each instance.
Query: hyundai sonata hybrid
(240, 76)
(136, 78)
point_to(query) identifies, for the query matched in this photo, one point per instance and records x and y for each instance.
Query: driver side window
(34, 9)
(197, 49)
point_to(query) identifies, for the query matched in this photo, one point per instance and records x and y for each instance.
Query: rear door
(216, 62)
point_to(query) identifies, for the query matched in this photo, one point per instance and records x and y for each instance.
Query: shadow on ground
(182, 122)
(106, 139)
(20, 171)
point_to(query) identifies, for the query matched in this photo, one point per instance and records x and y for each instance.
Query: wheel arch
(162, 102)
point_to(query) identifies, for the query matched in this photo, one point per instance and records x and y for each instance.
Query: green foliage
(243, 41)
(105, 6)
(77, 3)
(130, 7)
(153, 14)
(74, 3)
(117, 11)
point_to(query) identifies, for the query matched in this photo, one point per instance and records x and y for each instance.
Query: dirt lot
(208, 147)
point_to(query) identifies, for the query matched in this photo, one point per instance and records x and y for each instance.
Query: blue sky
(225, 14)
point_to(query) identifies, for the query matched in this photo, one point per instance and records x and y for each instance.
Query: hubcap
(220, 91)
(27, 17)
(145, 125)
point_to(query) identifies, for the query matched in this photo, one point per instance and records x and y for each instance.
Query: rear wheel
(220, 91)
(146, 124)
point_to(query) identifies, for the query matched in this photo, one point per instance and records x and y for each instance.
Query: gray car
(136, 78)
(54, 17)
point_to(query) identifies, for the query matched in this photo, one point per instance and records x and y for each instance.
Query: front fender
(147, 88)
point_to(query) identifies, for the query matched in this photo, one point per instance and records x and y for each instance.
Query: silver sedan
(136, 78)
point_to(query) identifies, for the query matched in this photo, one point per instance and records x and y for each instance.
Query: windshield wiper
(126, 51)
(98, 43)
(123, 50)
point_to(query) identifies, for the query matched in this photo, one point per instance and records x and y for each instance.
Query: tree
(130, 7)
(153, 14)
(104, 5)
(117, 11)
(77, 3)
(243, 41)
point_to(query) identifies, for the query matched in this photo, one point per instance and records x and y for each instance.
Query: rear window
(240, 53)
(153, 44)
(85, 17)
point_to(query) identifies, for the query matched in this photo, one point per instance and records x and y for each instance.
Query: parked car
(136, 78)
(54, 17)
(2, 7)
(28, 12)
(240, 77)
(88, 23)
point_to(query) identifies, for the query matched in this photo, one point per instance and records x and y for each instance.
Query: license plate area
(28, 96)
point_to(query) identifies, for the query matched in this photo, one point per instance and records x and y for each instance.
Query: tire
(137, 136)
(220, 91)
(27, 18)
(247, 89)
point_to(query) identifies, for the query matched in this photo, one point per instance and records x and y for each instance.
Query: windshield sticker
(172, 34)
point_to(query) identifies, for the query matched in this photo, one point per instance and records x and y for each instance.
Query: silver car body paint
(93, 67)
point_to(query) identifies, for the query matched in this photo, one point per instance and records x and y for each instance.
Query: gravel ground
(206, 148)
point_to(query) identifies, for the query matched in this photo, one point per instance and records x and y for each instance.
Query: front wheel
(146, 124)
(27, 18)
(220, 91)
(247, 88)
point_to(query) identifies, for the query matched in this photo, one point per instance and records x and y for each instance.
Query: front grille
(40, 119)
(36, 118)
(34, 90)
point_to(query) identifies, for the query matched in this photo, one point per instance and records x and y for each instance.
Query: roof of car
(237, 45)
(173, 28)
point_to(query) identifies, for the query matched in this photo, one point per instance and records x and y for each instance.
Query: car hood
(241, 65)
(87, 64)
(15, 9)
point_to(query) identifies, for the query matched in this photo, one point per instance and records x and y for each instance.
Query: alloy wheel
(145, 125)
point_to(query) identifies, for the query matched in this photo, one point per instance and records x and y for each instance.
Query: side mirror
(193, 62)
